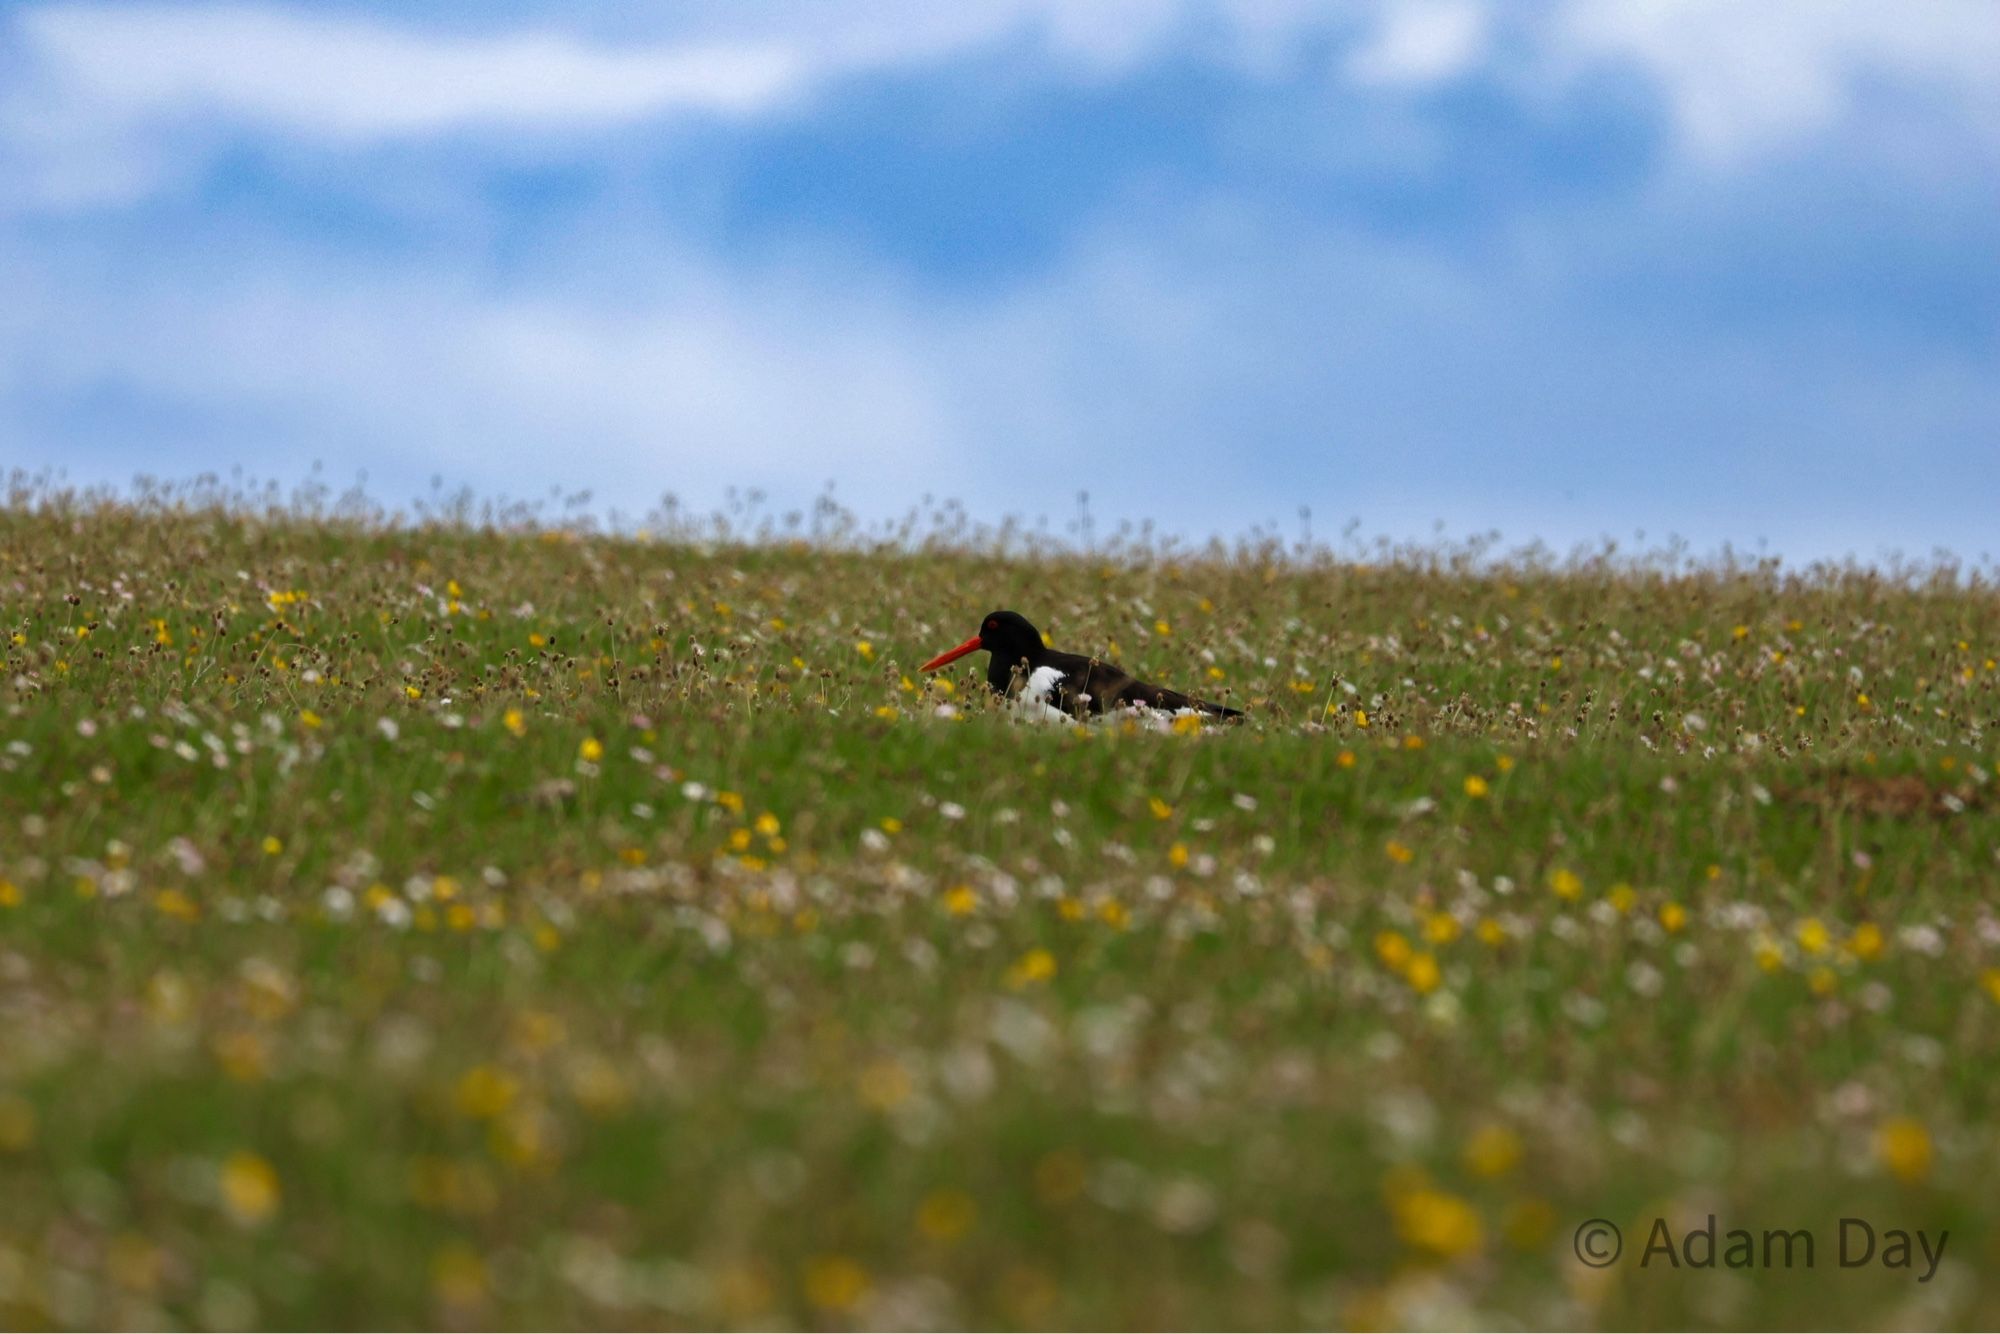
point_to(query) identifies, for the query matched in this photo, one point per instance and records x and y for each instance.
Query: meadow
(474, 918)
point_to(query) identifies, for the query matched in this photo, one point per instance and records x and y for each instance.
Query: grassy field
(437, 924)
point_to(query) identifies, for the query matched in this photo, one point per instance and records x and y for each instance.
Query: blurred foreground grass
(412, 924)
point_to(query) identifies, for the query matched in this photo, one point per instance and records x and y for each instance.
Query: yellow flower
(1177, 855)
(1422, 973)
(1216, 673)
(1162, 628)
(1504, 763)
(1475, 786)
(1037, 965)
(1188, 725)
(946, 1215)
(1431, 1220)
(1990, 979)
(484, 1092)
(1361, 718)
(311, 719)
(767, 825)
(1565, 883)
(1769, 956)
(10, 893)
(1392, 949)
(1904, 1147)
(866, 650)
(17, 1123)
(1345, 759)
(1160, 809)
(413, 692)
(249, 1187)
(730, 801)
(1440, 928)
(1490, 932)
(960, 901)
(1621, 896)
(272, 845)
(835, 1283)
(458, 1276)
(891, 825)
(1492, 1150)
(1399, 853)
(1672, 916)
(1812, 935)
(173, 903)
(1413, 742)
(515, 721)
(591, 750)
(1866, 943)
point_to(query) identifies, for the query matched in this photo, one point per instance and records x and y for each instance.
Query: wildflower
(835, 1283)
(1904, 1147)
(1866, 943)
(1813, 936)
(960, 901)
(311, 719)
(1392, 949)
(1990, 980)
(1504, 763)
(1177, 856)
(730, 801)
(866, 650)
(946, 1215)
(1565, 884)
(17, 1123)
(1345, 759)
(249, 1189)
(591, 750)
(1475, 786)
(1621, 896)
(1399, 853)
(1422, 973)
(273, 845)
(1037, 965)
(1187, 725)
(1672, 916)
(1492, 1150)
(173, 903)
(10, 893)
(1432, 1220)
(1440, 928)
(414, 692)
(458, 1276)
(484, 1092)
(515, 721)
(1490, 932)
(767, 825)
(1160, 809)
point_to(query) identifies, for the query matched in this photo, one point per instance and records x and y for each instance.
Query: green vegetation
(436, 923)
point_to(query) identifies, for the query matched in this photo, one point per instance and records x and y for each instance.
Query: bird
(1065, 687)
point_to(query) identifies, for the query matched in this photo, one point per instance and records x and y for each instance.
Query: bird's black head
(1007, 635)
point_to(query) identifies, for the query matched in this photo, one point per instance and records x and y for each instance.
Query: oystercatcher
(1064, 686)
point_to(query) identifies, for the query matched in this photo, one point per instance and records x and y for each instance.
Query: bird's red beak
(972, 645)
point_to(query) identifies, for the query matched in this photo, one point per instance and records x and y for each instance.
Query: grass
(442, 922)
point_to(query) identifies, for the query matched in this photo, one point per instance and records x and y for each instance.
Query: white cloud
(1418, 42)
(1742, 79)
(356, 80)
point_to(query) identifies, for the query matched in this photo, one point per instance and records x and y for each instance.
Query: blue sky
(1561, 269)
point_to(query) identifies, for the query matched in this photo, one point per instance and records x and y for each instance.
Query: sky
(1560, 270)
